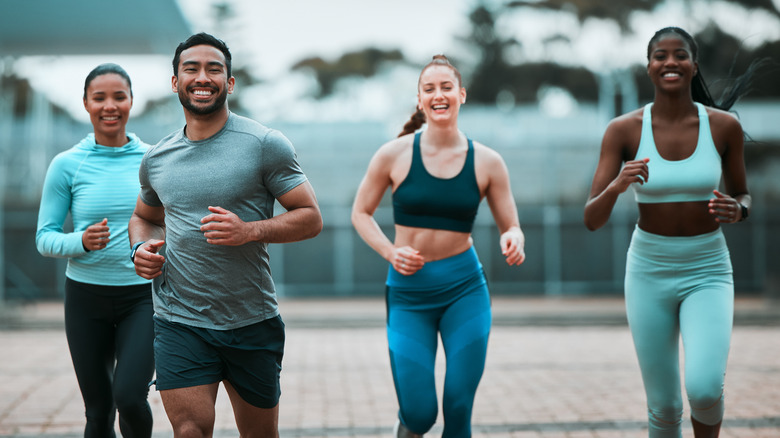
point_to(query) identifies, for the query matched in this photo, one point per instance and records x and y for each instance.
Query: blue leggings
(449, 297)
(110, 335)
(680, 286)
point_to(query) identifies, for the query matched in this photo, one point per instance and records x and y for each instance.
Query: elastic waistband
(438, 273)
(673, 248)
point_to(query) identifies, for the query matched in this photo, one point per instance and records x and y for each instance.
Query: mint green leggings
(680, 286)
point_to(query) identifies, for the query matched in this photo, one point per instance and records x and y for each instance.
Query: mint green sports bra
(691, 179)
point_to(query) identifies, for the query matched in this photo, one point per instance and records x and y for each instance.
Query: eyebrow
(434, 83)
(209, 63)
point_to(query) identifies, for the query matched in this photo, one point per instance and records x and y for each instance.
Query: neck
(111, 140)
(203, 126)
(443, 136)
(673, 106)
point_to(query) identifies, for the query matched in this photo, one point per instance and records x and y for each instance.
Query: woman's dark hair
(699, 90)
(104, 69)
(418, 118)
(203, 39)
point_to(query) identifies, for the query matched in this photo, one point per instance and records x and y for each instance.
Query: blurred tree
(226, 29)
(363, 63)
(722, 56)
(494, 76)
(620, 11)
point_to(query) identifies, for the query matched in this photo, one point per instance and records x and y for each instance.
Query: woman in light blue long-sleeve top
(108, 308)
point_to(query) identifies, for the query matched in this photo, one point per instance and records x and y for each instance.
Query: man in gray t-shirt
(207, 195)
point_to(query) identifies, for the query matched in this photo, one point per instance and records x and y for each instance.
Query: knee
(665, 418)
(707, 404)
(130, 401)
(703, 392)
(419, 419)
(191, 430)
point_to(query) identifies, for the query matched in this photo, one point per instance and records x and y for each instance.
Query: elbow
(40, 245)
(591, 224)
(315, 225)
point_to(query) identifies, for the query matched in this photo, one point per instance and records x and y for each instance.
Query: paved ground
(555, 368)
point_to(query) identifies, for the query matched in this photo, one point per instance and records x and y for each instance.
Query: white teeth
(437, 107)
(669, 75)
(111, 118)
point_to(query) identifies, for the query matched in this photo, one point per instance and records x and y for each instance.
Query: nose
(202, 76)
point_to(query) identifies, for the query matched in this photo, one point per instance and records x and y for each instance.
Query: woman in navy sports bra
(435, 282)
(674, 152)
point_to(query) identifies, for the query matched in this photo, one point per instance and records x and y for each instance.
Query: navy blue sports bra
(425, 201)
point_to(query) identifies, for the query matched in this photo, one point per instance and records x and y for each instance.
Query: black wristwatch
(135, 248)
(745, 212)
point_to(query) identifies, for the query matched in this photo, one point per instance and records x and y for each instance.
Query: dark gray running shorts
(250, 358)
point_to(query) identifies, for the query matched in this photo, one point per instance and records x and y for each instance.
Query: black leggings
(111, 334)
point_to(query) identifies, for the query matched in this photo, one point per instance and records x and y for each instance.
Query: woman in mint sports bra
(108, 308)
(435, 283)
(674, 152)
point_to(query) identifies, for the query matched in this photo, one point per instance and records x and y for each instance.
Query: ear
(462, 95)
(174, 84)
(419, 102)
(695, 68)
(85, 105)
(231, 84)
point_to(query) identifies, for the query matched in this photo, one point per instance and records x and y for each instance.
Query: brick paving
(555, 368)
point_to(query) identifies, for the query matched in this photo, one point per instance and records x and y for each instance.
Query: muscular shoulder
(623, 133)
(395, 149)
(485, 155)
(723, 120)
(627, 124)
(725, 129)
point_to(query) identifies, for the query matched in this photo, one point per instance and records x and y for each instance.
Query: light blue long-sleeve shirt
(91, 182)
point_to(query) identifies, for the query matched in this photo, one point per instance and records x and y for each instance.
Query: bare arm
(377, 180)
(612, 177)
(502, 204)
(301, 221)
(147, 224)
(726, 206)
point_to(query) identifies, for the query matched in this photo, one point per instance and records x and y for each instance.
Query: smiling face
(671, 65)
(440, 93)
(108, 101)
(202, 82)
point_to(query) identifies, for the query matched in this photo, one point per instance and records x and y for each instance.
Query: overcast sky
(272, 35)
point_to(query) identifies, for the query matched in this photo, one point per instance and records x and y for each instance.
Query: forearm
(141, 230)
(599, 208)
(291, 226)
(368, 229)
(59, 244)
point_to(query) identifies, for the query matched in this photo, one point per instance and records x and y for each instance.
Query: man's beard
(218, 103)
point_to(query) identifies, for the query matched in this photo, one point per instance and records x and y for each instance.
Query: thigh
(134, 346)
(253, 421)
(90, 333)
(183, 358)
(191, 410)
(253, 361)
(652, 310)
(466, 321)
(706, 321)
(412, 337)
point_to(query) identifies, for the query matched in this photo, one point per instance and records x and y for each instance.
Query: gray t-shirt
(242, 168)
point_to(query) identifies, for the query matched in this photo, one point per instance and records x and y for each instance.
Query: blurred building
(551, 160)
(32, 130)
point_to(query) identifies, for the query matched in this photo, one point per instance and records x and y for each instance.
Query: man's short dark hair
(203, 39)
